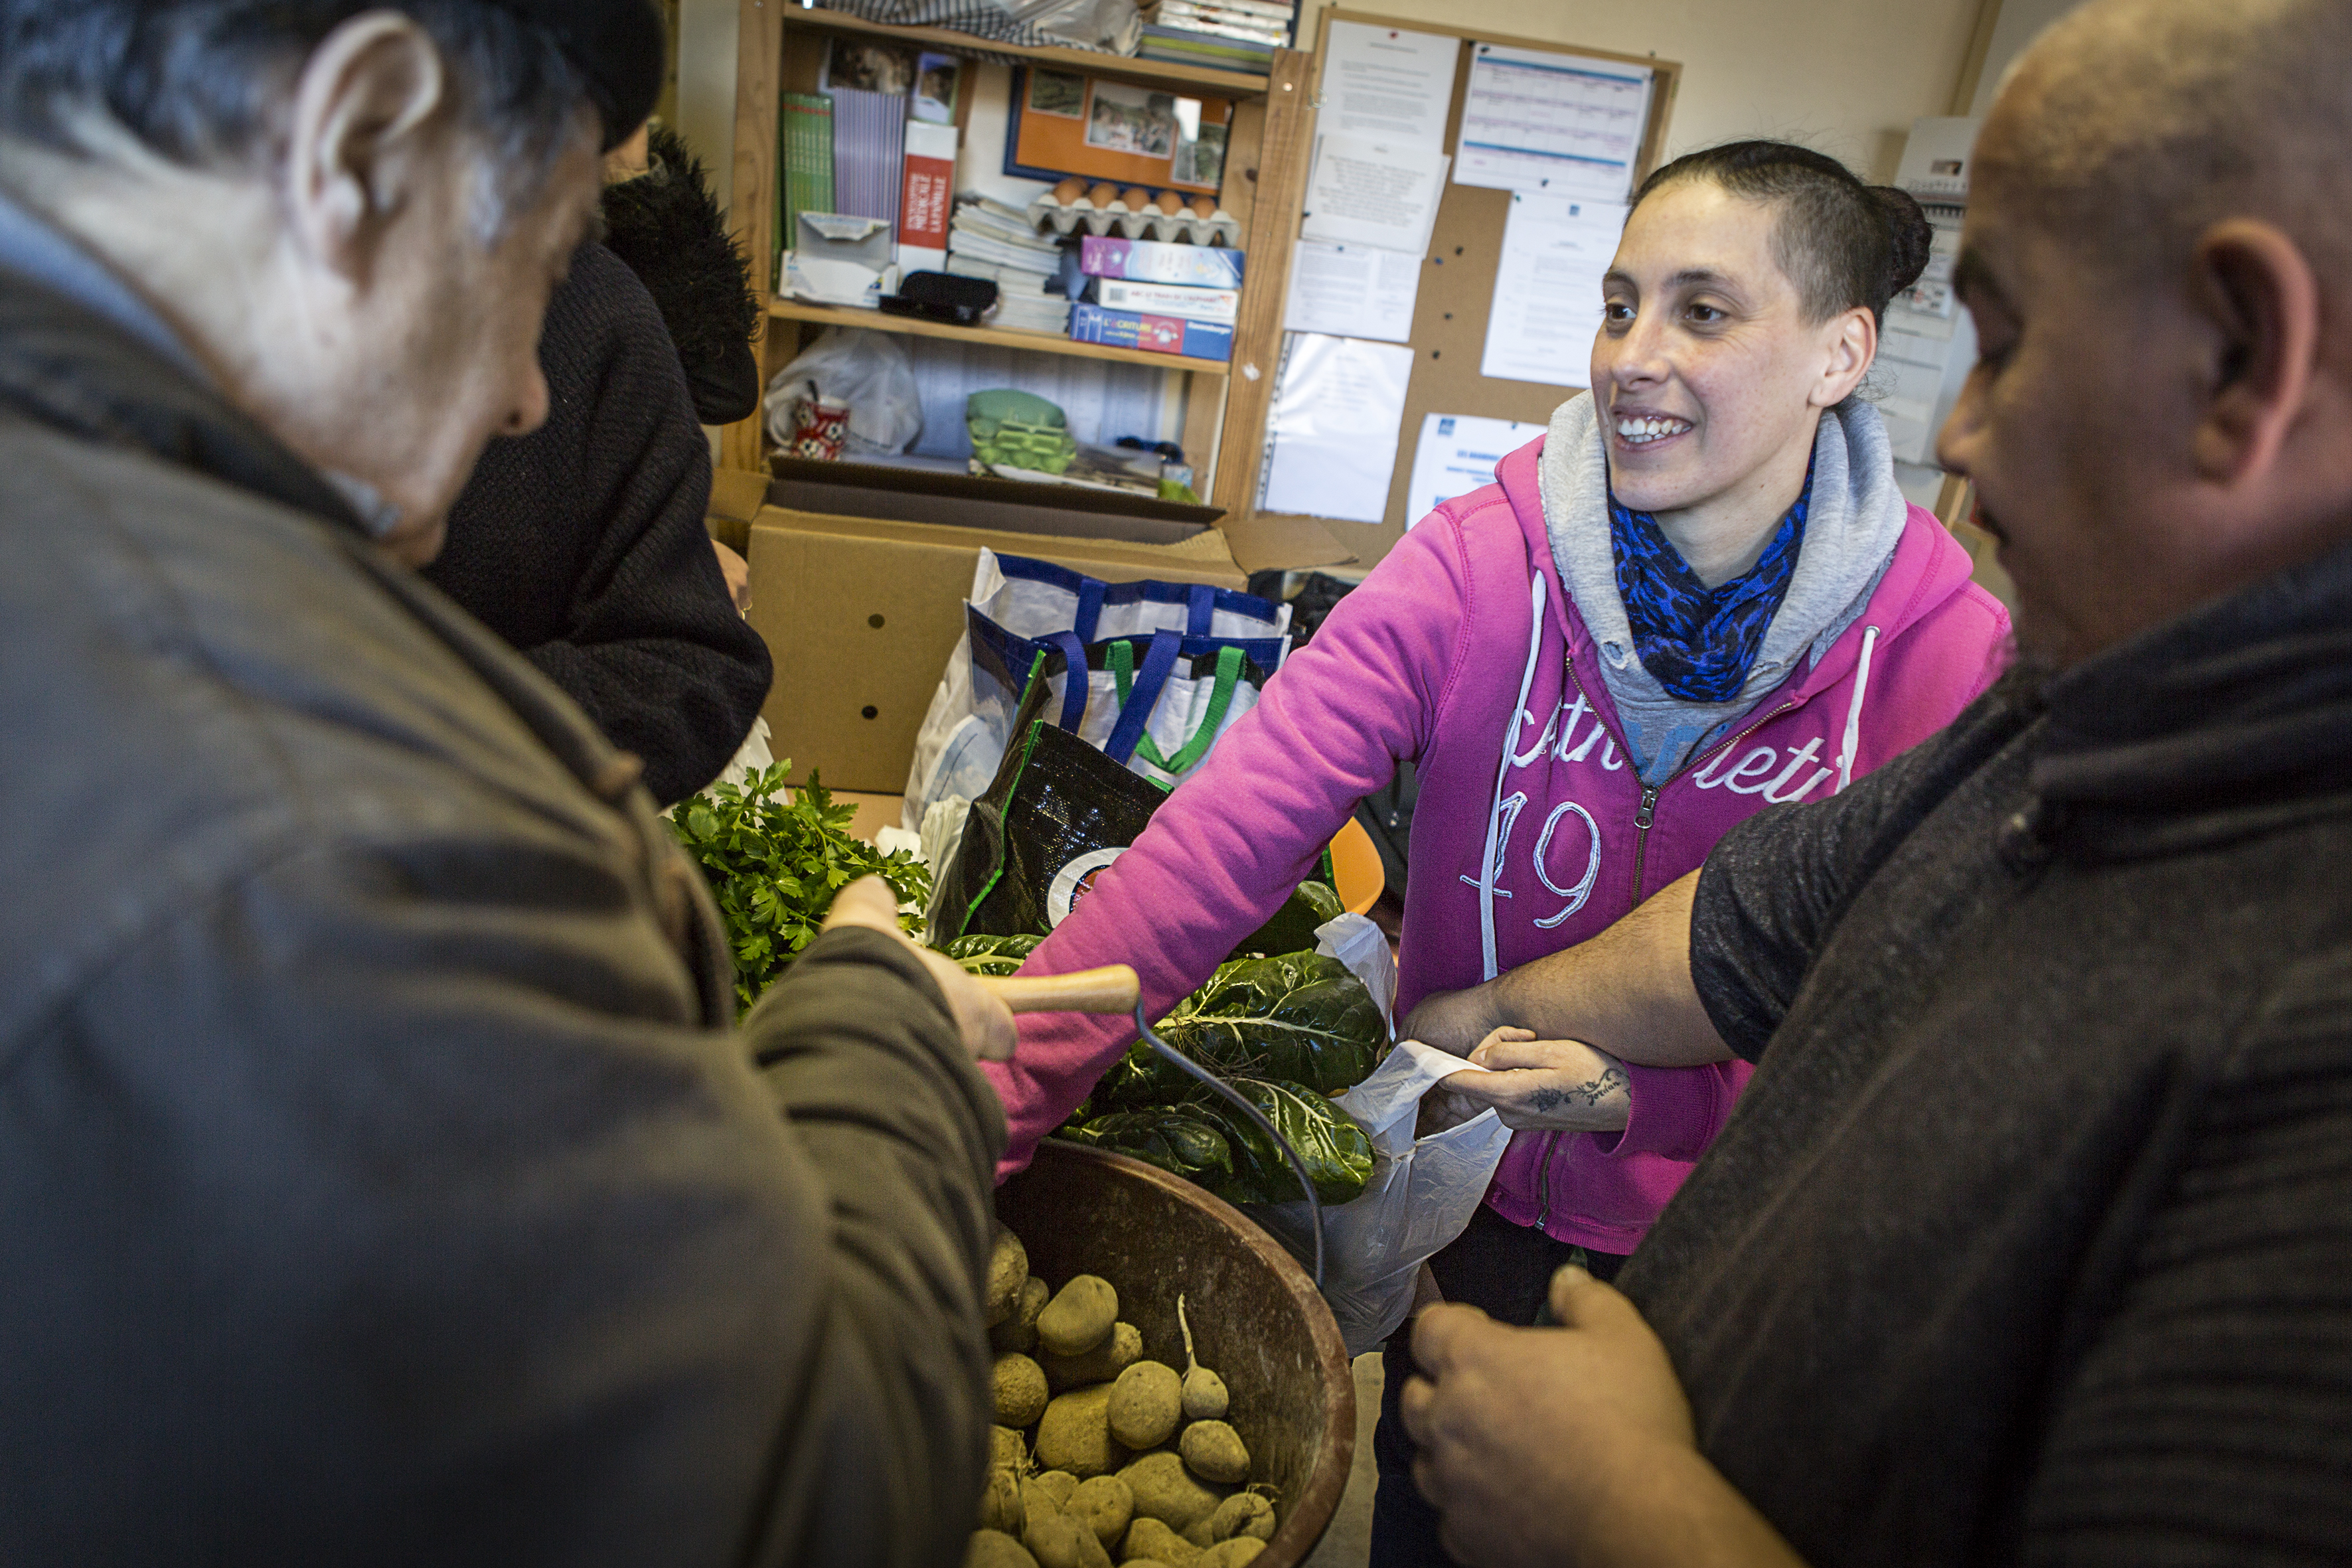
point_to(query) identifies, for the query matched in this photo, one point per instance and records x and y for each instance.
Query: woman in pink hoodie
(1700, 594)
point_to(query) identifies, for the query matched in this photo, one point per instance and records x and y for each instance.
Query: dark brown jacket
(381, 1176)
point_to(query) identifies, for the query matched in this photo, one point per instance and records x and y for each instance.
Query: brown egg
(1102, 195)
(1204, 207)
(1069, 190)
(1135, 197)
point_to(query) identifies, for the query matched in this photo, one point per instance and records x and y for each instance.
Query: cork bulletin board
(1458, 275)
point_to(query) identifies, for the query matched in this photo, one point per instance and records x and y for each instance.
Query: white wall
(2021, 20)
(1847, 77)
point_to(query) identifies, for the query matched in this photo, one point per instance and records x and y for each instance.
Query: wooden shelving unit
(996, 337)
(778, 47)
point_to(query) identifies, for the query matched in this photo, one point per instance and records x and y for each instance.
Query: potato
(1007, 1448)
(1074, 1434)
(1230, 1554)
(1205, 1398)
(1105, 1503)
(1019, 1331)
(1165, 1491)
(1019, 1385)
(1037, 1502)
(1205, 1391)
(1079, 1317)
(1148, 1540)
(1120, 1349)
(994, 1549)
(1058, 1486)
(1064, 1540)
(1146, 1405)
(1146, 1562)
(1214, 1452)
(1243, 1513)
(1008, 1266)
(1000, 1502)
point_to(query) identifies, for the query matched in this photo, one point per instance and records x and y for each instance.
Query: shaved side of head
(2135, 124)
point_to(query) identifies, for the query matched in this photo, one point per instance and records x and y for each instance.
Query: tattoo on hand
(1612, 1080)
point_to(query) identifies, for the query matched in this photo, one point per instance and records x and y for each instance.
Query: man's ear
(1853, 345)
(2261, 299)
(362, 108)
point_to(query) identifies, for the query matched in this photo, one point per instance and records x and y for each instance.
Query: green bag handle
(1121, 659)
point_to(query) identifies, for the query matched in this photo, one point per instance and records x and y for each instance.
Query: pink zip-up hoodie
(1439, 657)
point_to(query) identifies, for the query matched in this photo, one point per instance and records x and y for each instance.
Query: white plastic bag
(1422, 1194)
(866, 370)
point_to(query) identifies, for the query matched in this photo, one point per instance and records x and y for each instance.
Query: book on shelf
(1157, 261)
(1278, 12)
(930, 195)
(1005, 276)
(1215, 53)
(869, 131)
(1192, 303)
(1157, 335)
(804, 127)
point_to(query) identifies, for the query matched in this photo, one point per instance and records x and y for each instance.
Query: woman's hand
(1544, 1086)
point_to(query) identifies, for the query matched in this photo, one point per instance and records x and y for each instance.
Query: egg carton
(1132, 214)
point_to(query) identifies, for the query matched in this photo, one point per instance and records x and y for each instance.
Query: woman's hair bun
(1908, 238)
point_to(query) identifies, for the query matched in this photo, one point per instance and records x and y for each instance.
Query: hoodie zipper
(1645, 816)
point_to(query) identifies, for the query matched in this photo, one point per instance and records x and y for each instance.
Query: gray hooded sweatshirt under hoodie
(1855, 521)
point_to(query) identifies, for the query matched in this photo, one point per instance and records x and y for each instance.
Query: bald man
(2032, 1238)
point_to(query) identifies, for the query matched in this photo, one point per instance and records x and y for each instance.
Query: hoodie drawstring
(1502, 773)
(1854, 711)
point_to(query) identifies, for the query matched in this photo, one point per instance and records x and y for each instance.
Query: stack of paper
(869, 135)
(988, 238)
(1230, 35)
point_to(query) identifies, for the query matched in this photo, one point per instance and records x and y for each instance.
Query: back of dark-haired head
(1844, 244)
(197, 81)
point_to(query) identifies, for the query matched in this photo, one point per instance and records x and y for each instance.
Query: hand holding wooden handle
(1110, 989)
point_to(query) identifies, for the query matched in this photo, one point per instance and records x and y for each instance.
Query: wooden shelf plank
(1208, 80)
(996, 337)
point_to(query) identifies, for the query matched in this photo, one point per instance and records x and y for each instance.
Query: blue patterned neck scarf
(1696, 642)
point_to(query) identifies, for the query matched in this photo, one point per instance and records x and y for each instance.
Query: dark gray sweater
(2032, 1238)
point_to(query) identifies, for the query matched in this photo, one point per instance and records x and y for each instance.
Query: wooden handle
(1110, 989)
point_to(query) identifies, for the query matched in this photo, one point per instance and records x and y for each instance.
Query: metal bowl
(1257, 1321)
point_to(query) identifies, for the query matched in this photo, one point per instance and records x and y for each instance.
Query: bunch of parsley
(774, 865)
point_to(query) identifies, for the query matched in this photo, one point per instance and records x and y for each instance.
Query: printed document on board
(1535, 120)
(1352, 290)
(1361, 192)
(1548, 289)
(1456, 454)
(1331, 440)
(1388, 84)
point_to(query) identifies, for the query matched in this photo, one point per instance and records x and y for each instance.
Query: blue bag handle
(1159, 663)
(1090, 604)
(1203, 602)
(1074, 680)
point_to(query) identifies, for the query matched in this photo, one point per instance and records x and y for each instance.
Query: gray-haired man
(381, 1176)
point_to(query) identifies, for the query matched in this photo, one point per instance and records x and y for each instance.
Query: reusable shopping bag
(1018, 604)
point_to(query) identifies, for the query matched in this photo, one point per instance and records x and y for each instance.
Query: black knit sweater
(584, 543)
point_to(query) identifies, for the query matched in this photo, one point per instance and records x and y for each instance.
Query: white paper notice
(1535, 120)
(1388, 84)
(1548, 289)
(1363, 192)
(1352, 290)
(1332, 438)
(1457, 453)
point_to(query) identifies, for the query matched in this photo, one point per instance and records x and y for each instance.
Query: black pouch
(942, 297)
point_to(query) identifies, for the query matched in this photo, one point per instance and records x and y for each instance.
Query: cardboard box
(861, 616)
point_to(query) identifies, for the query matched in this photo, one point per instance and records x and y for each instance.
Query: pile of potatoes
(1102, 1456)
